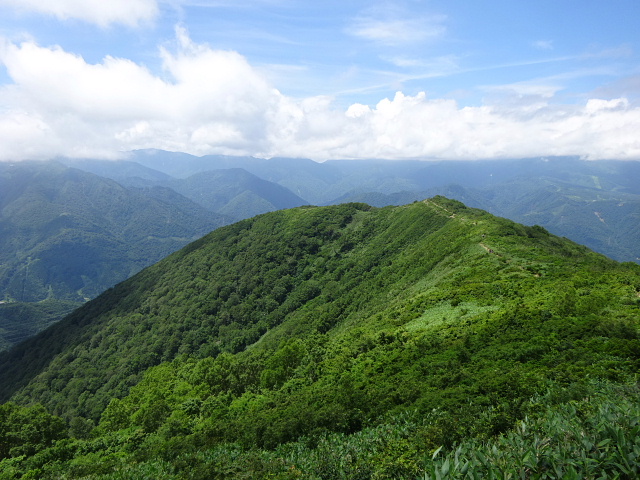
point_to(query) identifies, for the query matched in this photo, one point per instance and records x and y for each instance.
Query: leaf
(435, 454)
(445, 467)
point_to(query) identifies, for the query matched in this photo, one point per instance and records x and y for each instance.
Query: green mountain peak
(332, 320)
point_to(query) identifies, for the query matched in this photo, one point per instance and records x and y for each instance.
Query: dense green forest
(429, 340)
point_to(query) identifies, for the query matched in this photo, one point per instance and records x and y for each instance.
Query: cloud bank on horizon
(391, 79)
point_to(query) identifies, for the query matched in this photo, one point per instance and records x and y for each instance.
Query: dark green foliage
(27, 430)
(332, 342)
(586, 430)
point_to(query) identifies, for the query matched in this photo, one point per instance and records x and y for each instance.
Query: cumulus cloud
(207, 101)
(416, 127)
(99, 12)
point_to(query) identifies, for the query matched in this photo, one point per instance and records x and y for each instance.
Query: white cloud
(390, 25)
(436, 66)
(596, 105)
(211, 101)
(417, 127)
(99, 12)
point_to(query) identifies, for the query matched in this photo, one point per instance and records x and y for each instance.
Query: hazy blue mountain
(376, 199)
(314, 182)
(126, 173)
(183, 165)
(215, 182)
(339, 177)
(236, 193)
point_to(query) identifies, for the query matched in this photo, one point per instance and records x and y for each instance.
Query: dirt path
(451, 214)
(489, 250)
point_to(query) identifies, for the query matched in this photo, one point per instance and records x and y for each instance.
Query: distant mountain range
(593, 203)
(69, 234)
(221, 188)
(72, 228)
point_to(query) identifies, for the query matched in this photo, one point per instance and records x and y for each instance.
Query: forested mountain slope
(319, 342)
(21, 320)
(68, 235)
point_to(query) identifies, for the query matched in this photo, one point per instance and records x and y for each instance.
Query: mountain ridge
(441, 214)
(434, 322)
(485, 184)
(592, 203)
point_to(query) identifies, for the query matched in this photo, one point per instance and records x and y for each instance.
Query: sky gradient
(324, 80)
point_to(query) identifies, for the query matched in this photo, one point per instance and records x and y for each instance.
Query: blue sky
(393, 79)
